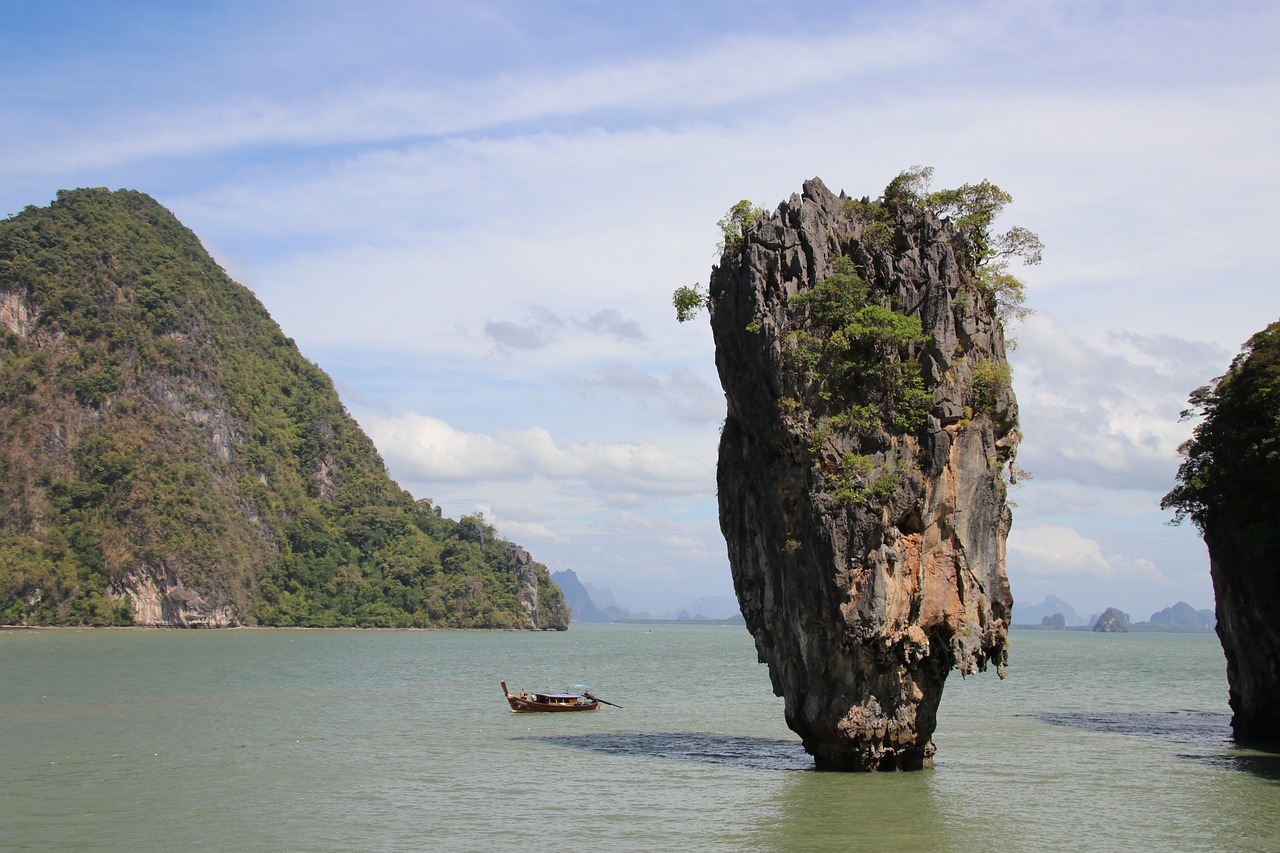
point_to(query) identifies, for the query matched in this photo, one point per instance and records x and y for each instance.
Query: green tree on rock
(1231, 465)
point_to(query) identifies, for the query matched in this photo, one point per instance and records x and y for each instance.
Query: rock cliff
(862, 465)
(1246, 587)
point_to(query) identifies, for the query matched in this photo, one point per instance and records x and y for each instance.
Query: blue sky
(472, 216)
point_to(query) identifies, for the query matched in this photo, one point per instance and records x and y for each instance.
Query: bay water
(401, 740)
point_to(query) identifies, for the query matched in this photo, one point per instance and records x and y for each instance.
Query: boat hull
(559, 703)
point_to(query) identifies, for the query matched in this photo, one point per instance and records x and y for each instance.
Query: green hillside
(167, 456)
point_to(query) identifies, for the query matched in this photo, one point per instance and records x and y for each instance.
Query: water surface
(390, 740)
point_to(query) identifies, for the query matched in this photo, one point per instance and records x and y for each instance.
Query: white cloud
(1106, 411)
(424, 448)
(434, 450)
(513, 528)
(1057, 550)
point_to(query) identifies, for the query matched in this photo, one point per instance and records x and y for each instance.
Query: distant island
(1054, 614)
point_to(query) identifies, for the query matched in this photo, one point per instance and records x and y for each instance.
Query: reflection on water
(1199, 729)
(1263, 764)
(1205, 729)
(755, 753)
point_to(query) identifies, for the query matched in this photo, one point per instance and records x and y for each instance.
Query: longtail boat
(526, 702)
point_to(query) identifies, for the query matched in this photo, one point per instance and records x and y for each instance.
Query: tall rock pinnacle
(861, 478)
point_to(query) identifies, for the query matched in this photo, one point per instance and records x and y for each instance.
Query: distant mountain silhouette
(1035, 614)
(1183, 615)
(579, 599)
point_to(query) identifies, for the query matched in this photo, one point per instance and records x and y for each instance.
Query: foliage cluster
(733, 225)
(988, 380)
(689, 301)
(858, 480)
(876, 222)
(972, 209)
(1231, 463)
(860, 352)
(156, 416)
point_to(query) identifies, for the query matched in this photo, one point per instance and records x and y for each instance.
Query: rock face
(867, 544)
(1246, 586)
(1112, 621)
(159, 598)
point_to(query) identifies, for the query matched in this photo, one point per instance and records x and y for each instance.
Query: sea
(313, 740)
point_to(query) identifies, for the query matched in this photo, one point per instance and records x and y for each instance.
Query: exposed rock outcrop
(867, 544)
(159, 598)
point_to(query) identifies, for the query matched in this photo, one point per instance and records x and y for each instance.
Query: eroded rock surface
(869, 561)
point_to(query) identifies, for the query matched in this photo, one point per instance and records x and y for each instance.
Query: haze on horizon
(472, 217)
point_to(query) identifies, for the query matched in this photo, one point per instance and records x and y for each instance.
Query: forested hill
(167, 456)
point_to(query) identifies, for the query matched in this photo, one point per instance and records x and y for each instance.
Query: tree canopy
(972, 209)
(1230, 467)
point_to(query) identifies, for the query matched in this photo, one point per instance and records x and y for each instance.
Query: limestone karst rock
(865, 515)
(1227, 487)
(1112, 621)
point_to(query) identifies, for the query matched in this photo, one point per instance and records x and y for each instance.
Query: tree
(1231, 464)
(733, 225)
(972, 209)
(688, 301)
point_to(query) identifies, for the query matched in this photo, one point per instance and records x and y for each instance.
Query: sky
(472, 216)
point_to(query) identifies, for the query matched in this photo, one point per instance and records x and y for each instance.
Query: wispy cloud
(611, 322)
(540, 331)
(1062, 552)
(679, 392)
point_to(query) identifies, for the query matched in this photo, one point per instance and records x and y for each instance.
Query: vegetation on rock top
(853, 376)
(1231, 463)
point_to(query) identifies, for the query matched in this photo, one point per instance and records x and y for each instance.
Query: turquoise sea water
(388, 740)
